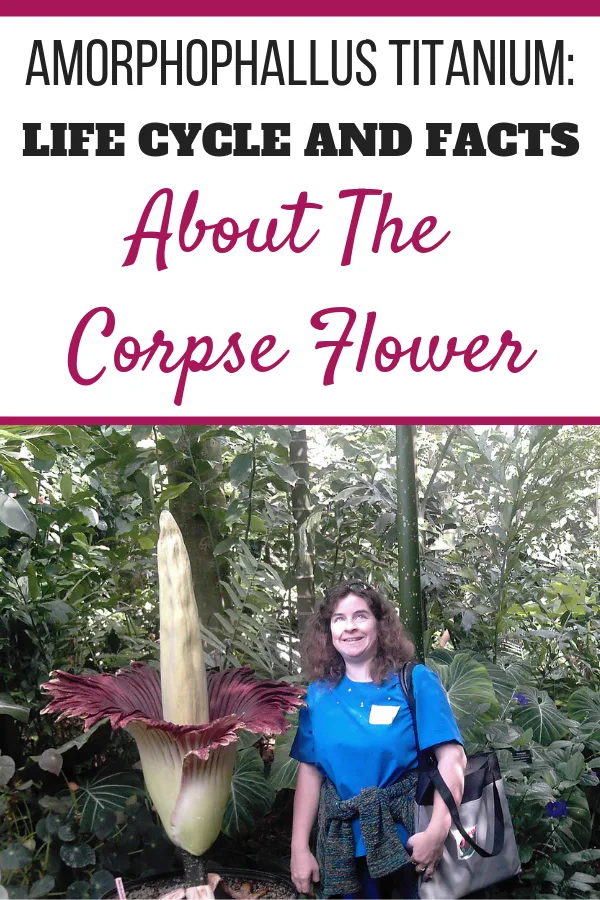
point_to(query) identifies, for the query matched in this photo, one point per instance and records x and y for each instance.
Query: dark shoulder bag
(480, 849)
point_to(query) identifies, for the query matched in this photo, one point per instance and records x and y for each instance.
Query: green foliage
(255, 628)
(467, 683)
(284, 769)
(550, 796)
(541, 715)
(74, 589)
(15, 856)
(102, 794)
(584, 705)
(251, 794)
(72, 853)
(8, 708)
(7, 769)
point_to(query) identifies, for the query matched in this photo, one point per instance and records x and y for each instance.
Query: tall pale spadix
(182, 672)
(185, 721)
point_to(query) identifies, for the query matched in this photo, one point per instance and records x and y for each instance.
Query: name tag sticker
(383, 715)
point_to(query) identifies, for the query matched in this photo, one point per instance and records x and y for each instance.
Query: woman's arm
(427, 846)
(451, 762)
(304, 866)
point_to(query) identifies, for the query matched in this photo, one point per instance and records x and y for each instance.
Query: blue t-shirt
(359, 734)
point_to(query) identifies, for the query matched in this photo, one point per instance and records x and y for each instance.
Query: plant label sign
(310, 211)
(522, 755)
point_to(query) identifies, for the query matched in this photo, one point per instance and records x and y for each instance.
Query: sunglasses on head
(359, 585)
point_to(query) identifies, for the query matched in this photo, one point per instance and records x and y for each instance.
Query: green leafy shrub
(498, 706)
(74, 843)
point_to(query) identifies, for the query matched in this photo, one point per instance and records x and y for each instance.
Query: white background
(522, 254)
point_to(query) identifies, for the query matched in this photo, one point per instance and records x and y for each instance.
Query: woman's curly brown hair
(394, 647)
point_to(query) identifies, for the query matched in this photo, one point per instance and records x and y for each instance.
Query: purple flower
(178, 760)
(521, 699)
(557, 810)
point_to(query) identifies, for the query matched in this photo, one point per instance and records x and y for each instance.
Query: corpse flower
(185, 721)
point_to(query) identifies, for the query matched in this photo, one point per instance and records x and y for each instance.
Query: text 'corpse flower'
(185, 721)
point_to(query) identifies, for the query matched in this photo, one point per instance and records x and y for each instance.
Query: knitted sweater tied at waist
(377, 809)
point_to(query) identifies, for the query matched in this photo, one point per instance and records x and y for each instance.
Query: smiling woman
(356, 745)
(393, 646)
(354, 633)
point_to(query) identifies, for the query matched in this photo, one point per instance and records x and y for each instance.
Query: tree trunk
(193, 513)
(409, 574)
(301, 507)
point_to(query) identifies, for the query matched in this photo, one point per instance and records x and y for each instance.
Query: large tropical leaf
(240, 468)
(8, 708)
(14, 516)
(171, 492)
(23, 432)
(440, 656)
(540, 713)
(80, 739)
(18, 472)
(584, 705)
(105, 791)
(251, 794)
(506, 680)
(7, 769)
(286, 473)
(284, 769)
(467, 683)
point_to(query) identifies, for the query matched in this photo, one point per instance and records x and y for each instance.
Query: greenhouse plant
(185, 721)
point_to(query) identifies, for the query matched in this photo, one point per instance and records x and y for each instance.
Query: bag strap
(406, 673)
(446, 795)
(432, 772)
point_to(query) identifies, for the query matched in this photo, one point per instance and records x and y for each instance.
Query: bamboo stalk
(409, 573)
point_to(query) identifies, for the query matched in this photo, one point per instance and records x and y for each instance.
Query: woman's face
(354, 629)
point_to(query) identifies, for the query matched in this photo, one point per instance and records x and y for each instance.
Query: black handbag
(480, 849)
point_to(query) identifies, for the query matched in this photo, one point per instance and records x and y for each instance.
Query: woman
(356, 732)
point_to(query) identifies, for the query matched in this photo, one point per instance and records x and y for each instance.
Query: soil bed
(245, 886)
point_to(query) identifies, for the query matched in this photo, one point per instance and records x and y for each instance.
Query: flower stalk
(182, 672)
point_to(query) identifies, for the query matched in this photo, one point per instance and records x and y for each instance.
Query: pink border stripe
(300, 8)
(302, 420)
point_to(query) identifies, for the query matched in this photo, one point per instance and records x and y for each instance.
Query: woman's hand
(306, 802)
(304, 869)
(427, 848)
